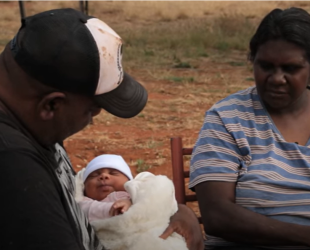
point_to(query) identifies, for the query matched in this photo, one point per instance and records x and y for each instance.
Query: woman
(251, 164)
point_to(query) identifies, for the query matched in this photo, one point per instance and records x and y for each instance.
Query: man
(60, 69)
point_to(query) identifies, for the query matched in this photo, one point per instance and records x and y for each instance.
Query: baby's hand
(120, 207)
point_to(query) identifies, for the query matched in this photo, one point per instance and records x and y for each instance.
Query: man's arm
(223, 218)
(33, 216)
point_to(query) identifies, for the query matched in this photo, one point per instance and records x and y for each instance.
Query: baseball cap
(74, 52)
(107, 161)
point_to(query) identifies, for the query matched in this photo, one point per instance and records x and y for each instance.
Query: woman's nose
(277, 77)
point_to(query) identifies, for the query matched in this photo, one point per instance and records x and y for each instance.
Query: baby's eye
(94, 174)
(114, 172)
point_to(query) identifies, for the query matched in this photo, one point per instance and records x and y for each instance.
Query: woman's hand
(185, 223)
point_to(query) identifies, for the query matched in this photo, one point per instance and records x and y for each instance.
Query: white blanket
(139, 228)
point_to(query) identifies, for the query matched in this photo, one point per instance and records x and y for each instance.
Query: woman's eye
(266, 66)
(290, 68)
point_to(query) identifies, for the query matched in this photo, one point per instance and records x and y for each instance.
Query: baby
(100, 191)
(104, 194)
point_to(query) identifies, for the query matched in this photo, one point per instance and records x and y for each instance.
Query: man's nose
(95, 111)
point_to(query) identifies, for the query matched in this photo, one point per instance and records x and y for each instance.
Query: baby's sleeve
(96, 210)
(119, 195)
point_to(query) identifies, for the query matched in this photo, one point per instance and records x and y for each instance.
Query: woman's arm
(223, 218)
(185, 223)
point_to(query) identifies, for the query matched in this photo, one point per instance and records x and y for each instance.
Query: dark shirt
(38, 210)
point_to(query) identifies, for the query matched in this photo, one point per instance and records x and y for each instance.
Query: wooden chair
(178, 173)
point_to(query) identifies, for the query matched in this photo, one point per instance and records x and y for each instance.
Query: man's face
(77, 113)
(100, 183)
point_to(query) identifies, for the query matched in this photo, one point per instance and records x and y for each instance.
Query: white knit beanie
(107, 161)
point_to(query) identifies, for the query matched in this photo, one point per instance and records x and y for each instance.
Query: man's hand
(185, 223)
(120, 207)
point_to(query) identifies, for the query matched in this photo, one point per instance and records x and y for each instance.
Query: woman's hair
(291, 25)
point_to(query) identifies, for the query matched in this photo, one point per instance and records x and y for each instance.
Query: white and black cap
(73, 52)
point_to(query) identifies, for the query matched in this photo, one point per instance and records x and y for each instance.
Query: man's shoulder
(10, 136)
(14, 139)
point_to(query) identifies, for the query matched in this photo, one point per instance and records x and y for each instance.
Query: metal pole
(21, 9)
(82, 6)
(86, 7)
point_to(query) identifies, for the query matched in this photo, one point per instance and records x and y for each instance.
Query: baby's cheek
(89, 189)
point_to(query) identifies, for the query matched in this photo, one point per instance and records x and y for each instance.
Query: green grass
(202, 54)
(153, 144)
(182, 65)
(149, 52)
(142, 166)
(180, 79)
(250, 79)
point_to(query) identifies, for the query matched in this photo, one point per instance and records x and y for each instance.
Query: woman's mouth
(276, 94)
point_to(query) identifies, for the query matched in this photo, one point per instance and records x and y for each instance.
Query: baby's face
(100, 183)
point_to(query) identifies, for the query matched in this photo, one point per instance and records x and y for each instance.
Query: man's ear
(49, 104)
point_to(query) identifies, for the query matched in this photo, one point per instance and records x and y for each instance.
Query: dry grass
(146, 15)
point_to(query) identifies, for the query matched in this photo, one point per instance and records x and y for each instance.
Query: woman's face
(282, 74)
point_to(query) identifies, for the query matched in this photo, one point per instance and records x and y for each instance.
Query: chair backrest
(179, 174)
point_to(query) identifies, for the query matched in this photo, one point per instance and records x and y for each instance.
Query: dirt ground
(175, 107)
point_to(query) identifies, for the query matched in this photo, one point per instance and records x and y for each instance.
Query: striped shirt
(65, 175)
(240, 143)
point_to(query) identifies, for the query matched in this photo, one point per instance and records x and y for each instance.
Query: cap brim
(126, 101)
